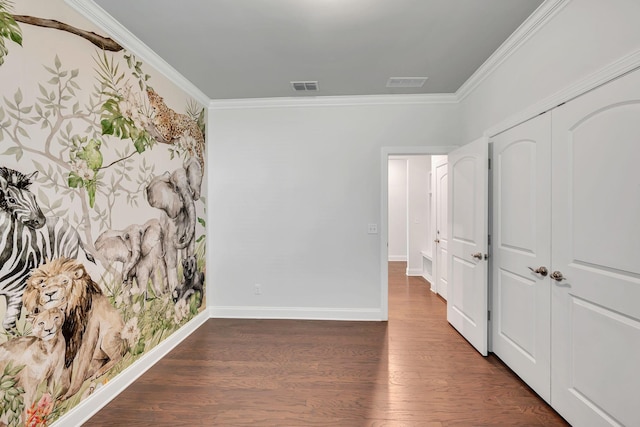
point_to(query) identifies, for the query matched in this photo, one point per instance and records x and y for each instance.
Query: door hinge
(488, 314)
(489, 239)
(489, 160)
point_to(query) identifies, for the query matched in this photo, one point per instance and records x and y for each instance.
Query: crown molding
(537, 20)
(612, 71)
(333, 101)
(95, 14)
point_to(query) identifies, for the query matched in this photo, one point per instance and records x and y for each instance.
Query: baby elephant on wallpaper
(192, 283)
(140, 249)
(175, 194)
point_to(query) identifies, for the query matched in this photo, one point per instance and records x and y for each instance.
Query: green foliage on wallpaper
(123, 113)
(74, 156)
(88, 153)
(9, 29)
(11, 402)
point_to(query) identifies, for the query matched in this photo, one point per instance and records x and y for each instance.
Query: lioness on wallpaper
(102, 210)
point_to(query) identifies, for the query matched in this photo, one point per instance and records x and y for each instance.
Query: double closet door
(566, 254)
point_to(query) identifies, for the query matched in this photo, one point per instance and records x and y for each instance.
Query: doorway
(410, 213)
(386, 154)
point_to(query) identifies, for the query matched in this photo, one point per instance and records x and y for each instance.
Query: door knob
(437, 240)
(556, 275)
(540, 270)
(477, 255)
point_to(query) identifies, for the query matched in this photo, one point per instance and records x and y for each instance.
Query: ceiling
(234, 49)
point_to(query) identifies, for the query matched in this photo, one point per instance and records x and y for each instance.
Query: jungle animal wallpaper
(102, 210)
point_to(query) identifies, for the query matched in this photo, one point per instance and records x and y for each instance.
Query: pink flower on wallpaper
(37, 415)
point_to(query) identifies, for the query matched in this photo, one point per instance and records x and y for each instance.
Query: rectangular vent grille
(406, 81)
(305, 86)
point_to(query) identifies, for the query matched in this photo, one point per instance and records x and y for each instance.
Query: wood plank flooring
(414, 370)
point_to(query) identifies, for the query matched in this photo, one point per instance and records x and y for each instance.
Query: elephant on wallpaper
(175, 194)
(192, 282)
(140, 249)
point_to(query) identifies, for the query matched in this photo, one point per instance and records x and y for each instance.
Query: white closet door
(468, 224)
(596, 248)
(521, 236)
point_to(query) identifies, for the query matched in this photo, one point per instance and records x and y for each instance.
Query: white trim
(414, 272)
(333, 101)
(94, 13)
(385, 152)
(429, 279)
(537, 20)
(604, 75)
(397, 258)
(297, 313)
(81, 413)
(427, 150)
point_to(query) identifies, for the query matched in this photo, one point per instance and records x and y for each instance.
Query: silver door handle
(477, 255)
(556, 275)
(542, 270)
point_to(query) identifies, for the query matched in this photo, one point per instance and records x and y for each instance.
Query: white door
(521, 251)
(595, 346)
(467, 224)
(441, 236)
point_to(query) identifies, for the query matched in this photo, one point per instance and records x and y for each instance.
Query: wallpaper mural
(102, 221)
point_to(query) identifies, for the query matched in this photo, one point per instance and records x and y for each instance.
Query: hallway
(415, 370)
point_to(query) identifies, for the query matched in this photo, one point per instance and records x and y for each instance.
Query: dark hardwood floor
(414, 370)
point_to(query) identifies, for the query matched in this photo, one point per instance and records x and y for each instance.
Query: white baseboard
(427, 277)
(92, 404)
(414, 272)
(397, 257)
(298, 313)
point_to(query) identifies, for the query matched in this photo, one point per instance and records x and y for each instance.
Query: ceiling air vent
(309, 86)
(406, 81)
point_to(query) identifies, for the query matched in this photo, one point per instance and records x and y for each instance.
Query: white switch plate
(372, 229)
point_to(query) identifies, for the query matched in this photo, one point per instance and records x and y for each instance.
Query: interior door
(521, 251)
(441, 235)
(595, 343)
(467, 300)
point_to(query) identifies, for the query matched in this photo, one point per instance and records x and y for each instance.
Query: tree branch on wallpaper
(9, 29)
(71, 160)
(98, 40)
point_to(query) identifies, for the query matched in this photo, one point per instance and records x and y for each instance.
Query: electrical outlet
(372, 229)
(257, 289)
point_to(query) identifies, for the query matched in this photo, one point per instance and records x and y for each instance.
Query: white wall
(293, 188)
(294, 185)
(398, 209)
(583, 37)
(418, 189)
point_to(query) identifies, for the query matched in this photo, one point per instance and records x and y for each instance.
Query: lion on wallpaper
(92, 326)
(41, 355)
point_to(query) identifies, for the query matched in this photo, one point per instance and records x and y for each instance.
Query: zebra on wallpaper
(27, 239)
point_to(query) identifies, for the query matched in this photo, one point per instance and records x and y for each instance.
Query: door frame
(384, 213)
